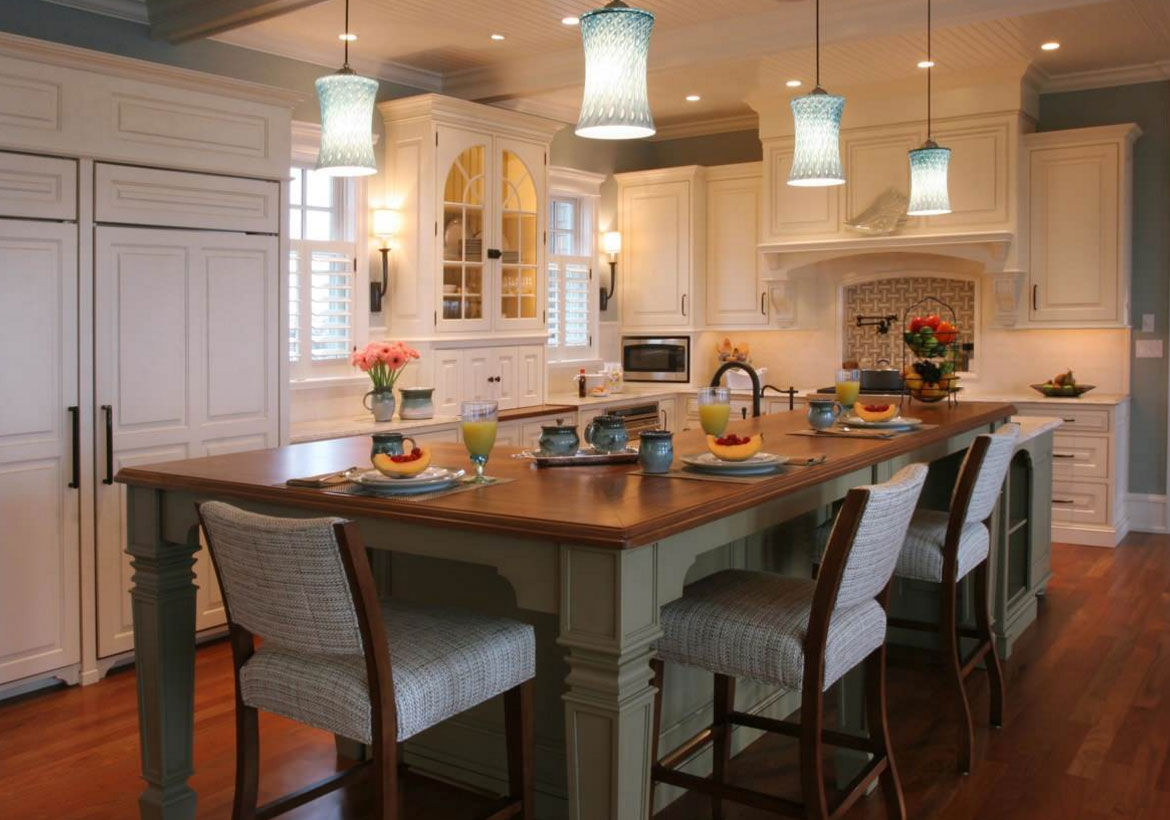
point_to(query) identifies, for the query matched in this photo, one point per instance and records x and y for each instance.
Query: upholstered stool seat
(442, 661)
(922, 554)
(754, 624)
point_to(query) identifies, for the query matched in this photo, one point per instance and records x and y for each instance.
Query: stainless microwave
(656, 358)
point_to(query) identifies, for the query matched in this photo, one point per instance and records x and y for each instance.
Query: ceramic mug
(656, 451)
(391, 444)
(417, 403)
(558, 440)
(823, 414)
(607, 434)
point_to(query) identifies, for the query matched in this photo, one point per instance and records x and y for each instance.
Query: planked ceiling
(723, 50)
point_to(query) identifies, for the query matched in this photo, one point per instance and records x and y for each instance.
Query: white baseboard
(1148, 512)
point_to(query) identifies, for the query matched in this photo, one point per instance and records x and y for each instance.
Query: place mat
(683, 472)
(874, 434)
(366, 492)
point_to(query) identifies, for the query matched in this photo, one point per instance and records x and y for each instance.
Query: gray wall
(1147, 104)
(61, 24)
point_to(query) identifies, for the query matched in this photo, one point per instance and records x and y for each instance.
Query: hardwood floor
(1087, 734)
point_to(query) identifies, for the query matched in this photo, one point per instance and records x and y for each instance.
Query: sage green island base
(595, 610)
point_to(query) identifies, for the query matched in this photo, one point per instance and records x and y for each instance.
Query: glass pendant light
(616, 38)
(347, 111)
(929, 164)
(816, 159)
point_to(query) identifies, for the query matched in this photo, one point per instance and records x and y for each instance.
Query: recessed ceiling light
(497, 37)
(347, 37)
(794, 83)
(570, 21)
(1051, 45)
(693, 98)
(926, 63)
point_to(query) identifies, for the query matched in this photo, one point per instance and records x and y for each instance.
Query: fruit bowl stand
(923, 350)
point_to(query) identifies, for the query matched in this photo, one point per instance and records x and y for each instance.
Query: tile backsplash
(892, 296)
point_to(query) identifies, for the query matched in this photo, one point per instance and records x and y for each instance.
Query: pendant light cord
(818, 36)
(929, 69)
(346, 38)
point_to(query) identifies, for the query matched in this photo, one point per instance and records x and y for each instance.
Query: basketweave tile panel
(884, 297)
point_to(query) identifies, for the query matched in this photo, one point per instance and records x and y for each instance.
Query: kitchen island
(595, 552)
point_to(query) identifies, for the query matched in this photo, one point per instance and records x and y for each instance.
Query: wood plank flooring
(1087, 735)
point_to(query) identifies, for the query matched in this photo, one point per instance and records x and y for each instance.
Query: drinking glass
(479, 434)
(848, 386)
(714, 409)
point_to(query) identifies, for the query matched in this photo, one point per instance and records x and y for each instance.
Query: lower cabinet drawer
(1076, 419)
(1080, 503)
(1079, 457)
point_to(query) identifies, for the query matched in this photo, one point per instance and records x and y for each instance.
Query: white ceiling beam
(179, 21)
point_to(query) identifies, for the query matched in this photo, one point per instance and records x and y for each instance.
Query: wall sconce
(386, 224)
(611, 243)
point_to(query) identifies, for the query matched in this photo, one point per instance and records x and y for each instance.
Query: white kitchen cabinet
(471, 183)
(530, 375)
(37, 187)
(40, 462)
(662, 218)
(186, 352)
(511, 375)
(1080, 192)
(448, 381)
(736, 292)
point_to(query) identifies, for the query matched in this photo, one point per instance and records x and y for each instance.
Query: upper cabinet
(1080, 185)
(662, 218)
(736, 291)
(470, 183)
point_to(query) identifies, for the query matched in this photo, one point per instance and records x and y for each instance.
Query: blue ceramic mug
(607, 434)
(391, 444)
(822, 414)
(558, 439)
(656, 451)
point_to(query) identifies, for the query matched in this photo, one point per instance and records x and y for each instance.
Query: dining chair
(798, 634)
(335, 657)
(943, 547)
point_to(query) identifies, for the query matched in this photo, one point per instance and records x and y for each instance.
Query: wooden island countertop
(598, 506)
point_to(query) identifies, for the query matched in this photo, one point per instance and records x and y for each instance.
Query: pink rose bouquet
(383, 362)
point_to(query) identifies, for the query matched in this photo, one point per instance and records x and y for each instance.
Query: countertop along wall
(1147, 104)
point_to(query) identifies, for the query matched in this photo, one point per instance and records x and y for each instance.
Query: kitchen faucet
(751, 371)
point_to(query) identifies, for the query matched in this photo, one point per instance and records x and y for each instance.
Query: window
(571, 315)
(322, 280)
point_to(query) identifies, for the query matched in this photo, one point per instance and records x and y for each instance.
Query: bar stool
(943, 547)
(336, 658)
(799, 634)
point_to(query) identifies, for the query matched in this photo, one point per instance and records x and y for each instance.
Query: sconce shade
(386, 222)
(928, 180)
(347, 110)
(615, 106)
(611, 242)
(816, 160)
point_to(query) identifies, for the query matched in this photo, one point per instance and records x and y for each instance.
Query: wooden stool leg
(952, 651)
(659, 668)
(812, 768)
(518, 719)
(721, 737)
(387, 787)
(247, 761)
(983, 623)
(879, 733)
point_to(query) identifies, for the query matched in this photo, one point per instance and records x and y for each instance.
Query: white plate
(432, 478)
(897, 422)
(759, 463)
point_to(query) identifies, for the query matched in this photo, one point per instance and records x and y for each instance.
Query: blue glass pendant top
(928, 181)
(347, 110)
(816, 160)
(615, 106)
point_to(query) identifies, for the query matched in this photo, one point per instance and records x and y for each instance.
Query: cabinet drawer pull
(684, 304)
(75, 425)
(1063, 455)
(763, 309)
(108, 409)
(1069, 421)
(662, 413)
(1063, 501)
(1035, 297)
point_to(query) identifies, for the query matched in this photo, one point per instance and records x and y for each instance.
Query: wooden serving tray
(582, 458)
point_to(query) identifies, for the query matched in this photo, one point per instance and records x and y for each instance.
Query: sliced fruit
(735, 448)
(405, 465)
(875, 412)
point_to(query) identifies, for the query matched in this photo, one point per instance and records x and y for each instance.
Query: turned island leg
(163, 599)
(609, 619)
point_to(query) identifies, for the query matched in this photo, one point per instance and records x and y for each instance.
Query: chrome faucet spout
(751, 371)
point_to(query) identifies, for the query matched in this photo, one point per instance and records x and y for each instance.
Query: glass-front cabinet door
(464, 231)
(520, 295)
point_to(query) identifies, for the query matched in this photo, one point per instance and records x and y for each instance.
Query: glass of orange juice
(848, 387)
(714, 409)
(479, 434)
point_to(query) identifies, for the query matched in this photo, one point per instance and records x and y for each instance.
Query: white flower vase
(381, 403)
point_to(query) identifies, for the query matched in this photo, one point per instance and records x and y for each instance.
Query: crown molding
(467, 114)
(574, 181)
(702, 128)
(132, 10)
(84, 59)
(1108, 77)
